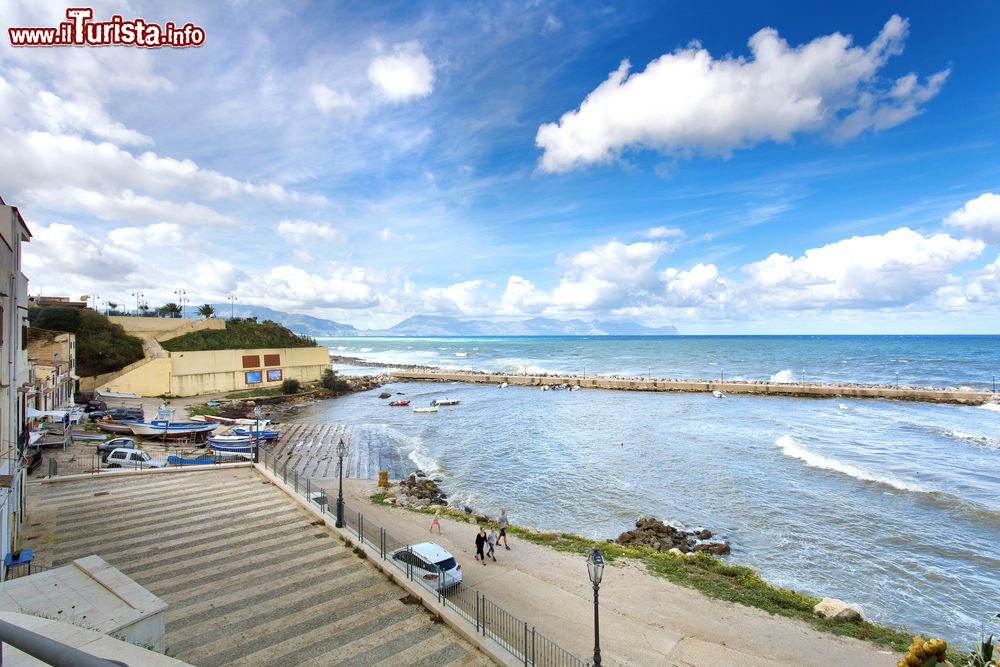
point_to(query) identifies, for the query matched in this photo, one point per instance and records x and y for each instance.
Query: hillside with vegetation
(101, 347)
(239, 334)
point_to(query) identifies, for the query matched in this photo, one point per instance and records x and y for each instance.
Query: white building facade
(15, 379)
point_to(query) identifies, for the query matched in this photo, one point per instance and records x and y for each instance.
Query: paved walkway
(645, 620)
(249, 576)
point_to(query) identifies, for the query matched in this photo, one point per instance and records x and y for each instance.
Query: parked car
(95, 405)
(430, 561)
(135, 459)
(109, 446)
(118, 414)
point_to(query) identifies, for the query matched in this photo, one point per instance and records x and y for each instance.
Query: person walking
(480, 543)
(503, 528)
(436, 521)
(491, 541)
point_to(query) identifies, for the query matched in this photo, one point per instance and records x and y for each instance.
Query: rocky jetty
(417, 490)
(650, 532)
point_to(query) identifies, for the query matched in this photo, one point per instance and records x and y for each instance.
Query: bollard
(53, 468)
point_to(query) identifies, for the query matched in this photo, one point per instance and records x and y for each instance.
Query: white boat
(433, 408)
(103, 393)
(546, 387)
(575, 387)
(444, 401)
(718, 394)
(112, 426)
(503, 385)
(230, 440)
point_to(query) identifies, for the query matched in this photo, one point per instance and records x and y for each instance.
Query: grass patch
(239, 334)
(255, 393)
(710, 575)
(203, 410)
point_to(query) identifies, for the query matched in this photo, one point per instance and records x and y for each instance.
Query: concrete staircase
(249, 576)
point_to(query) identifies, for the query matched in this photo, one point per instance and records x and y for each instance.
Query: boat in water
(503, 385)
(433, 408)
(718, 394)
(399, 404)
(444, 401)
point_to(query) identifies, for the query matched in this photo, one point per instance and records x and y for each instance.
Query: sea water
(892, 505)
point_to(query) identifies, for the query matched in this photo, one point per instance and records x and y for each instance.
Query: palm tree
(206, 311)
(169, 310)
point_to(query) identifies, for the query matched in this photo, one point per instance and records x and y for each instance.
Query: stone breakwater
(650, 532)
(903, 393)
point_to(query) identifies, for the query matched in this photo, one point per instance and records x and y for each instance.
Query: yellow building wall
(214, 371)
(151, 377)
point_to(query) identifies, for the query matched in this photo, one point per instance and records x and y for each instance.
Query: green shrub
(291, 387)
(330, 380)
(239, 334)
(101, 347)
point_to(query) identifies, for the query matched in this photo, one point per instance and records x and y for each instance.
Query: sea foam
(783, 376)
(792, 447)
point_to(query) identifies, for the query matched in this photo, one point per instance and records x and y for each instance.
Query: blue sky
(723, 167)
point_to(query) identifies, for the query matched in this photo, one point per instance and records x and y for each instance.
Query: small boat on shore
(399, 404)
(163, 428)
(433, 408)
(262, 434)
(113, 426)
(103, 393)
(444, 401)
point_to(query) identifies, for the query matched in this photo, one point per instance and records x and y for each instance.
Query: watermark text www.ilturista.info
(82, 30)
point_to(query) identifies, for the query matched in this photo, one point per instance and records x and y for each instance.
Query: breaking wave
(783, 376)
(792, 447)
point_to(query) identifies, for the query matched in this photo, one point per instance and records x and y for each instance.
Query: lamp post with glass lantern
(256, 434)
(341, 451)
(595, 568)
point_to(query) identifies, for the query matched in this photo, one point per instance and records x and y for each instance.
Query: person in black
(480, 543)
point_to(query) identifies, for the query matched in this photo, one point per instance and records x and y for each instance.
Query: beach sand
(645, 620)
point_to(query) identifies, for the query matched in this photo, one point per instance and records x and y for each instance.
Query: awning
(33, 413)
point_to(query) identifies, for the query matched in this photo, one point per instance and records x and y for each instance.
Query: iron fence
(520, 639)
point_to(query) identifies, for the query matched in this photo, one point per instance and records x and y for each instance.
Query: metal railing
(49, 650)
(517, 636)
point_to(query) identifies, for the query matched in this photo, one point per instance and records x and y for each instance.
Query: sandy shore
(645, 620)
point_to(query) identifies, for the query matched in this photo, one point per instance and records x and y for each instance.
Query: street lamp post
(649, 371)
(232, 306)
(138, 295)
(897, 379)
(256, 435)
(723, 372)
(181, 296)
(595, 568)
(341, 450)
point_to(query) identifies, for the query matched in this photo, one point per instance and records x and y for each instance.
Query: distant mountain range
(435, 325)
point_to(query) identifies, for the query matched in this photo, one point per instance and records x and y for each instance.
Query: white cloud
(328, 99)
(892, 269)
(979, 217)
(288, 287)
(63, 250)
(51, 161)
(164, 236)
(128, 206)
(699, 286)
(663, 233)
(404, 74)
(522, 297)
(464, 298)
(552, 23)
(689, 101)
(306, 232)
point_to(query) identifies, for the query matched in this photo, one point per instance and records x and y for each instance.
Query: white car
(429, 562)
(135, 459)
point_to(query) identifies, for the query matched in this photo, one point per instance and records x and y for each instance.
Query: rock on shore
(417, 490)
(650, 532)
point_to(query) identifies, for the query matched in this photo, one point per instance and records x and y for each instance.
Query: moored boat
(399, 404)
(163, 428)
(718, 394)
(444, 401)
(433, 408)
